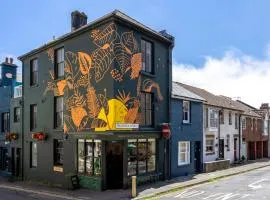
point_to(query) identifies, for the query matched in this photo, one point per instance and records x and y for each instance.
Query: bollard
(134, 187)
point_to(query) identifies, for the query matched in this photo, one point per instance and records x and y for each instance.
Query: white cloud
(233, 75)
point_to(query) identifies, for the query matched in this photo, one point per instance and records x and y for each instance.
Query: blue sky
(203, 29)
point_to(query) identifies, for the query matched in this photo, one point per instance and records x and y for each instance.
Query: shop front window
(89, 157)
(141, 156)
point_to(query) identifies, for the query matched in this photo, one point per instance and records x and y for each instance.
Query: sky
(221, 46)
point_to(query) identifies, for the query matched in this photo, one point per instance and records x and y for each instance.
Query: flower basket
(39, 136)
(11, 136)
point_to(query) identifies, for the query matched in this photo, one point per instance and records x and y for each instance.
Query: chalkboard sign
(75, 182)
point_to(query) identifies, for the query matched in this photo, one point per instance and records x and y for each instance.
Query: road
(249, 186)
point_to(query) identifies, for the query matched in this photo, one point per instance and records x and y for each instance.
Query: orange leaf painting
(129, 42)
(105, 46)
(132, 113)
(65, 128)
(50, 53)
(107, 35)
(123, 97)
(77, 114)
(61, 86)
(98, 123)
(122, 57)
(136, 65)
(92, 102)
(85, 62)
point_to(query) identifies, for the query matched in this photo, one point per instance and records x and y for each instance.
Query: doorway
(221, 148)
(114, 164)
(235, 149)
(197, 157)
(13, 161)
(18, 162)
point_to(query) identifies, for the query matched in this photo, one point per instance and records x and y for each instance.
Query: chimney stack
(11, 60)
(78, 19)
(264, 106)
(6, 61)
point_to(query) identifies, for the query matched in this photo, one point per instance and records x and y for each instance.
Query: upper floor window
(186, 112)
(147, 57)
(221, 117)
(252, 121)
(33, 117)
(33, 154)
(265, 127)
(17, 114)
(59, 112)
(18, 91)
(244, 123)
(33, 72)
(213, 118)
(230, 118)
(5, 122)
(236, 121)
(147, 109)
(60, 62)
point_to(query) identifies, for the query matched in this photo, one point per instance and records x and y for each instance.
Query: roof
(211, 99)
(248, 110)
(116, 13)
(180, 92)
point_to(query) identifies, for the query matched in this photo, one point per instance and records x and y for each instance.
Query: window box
(39, 136)
(11, 136)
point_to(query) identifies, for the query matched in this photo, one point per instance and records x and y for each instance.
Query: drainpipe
(240, 136)
(219, 114)
(22, 121)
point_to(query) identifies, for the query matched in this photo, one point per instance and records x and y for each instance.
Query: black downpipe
(240, 137)
(219, 114)
(22, 121)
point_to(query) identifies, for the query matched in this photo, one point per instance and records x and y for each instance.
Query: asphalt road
(249, 186)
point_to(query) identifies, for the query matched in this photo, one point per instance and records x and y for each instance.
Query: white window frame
(244, 123)
(265, 127)
(215, 119)
(213, 145)
(186, 121)
(186, 152)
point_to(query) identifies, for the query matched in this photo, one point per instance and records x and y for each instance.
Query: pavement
(23, 190)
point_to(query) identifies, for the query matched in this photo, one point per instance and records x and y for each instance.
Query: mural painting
(116, 55)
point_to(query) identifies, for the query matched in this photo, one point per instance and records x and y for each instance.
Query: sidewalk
(144, 192)
(188, 181)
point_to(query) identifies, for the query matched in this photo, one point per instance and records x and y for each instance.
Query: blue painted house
(187, 132)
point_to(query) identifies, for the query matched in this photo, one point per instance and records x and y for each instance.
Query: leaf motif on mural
(139, 83)
(116, 75)
(92, 102)
(61, 86)
(129, 42)
(77, 114)
(98, 123)
(103, 101)
(108, 35)
(132, 112)
(122, 57)
(123, 97)
(136, 65)
(50, 53)
(148, 85)
(85, 62)
(83, 80)
(102, 60)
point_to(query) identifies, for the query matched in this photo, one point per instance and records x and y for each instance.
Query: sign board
(126, 126)
(58, 169)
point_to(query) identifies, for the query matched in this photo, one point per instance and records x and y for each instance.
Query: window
(89, 157)
(147, 110)
(209, 144)
(230, 118)
(59, 112)
(5, 122)
(183, 153)
(252, 123)
(33, 154)
(236, 121)
(146, 48)
(141, 156)
(33, 117)
(206, 117)
(228, 142)
(18, 91)
(265, 127)
(213, 118)
(34, 72)
(59, 64)
(221, 117)
(186, 112)
(244, 123)
(17, 114)
(58, 152)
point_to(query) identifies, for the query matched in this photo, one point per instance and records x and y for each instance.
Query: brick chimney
(264, 106)
(78, 19)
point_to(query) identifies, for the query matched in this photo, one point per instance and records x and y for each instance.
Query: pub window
(209, 147)
(221, 116)
(33, 154)
(244, 123)
(5, 122)
(89, 157)
(230, 118)
(59, 64)
(33, 117)
(228, 142)
(146, 109)
(17, 114)
(59, 112)
(186, 112)
(34, 72)
(236, 121)
(147, 57)
(141, 156)
(183, 153)
(58, 152)
(213, 118)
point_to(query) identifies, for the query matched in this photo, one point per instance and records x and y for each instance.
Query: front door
(235, 149)
(13, 161)
(197, 156)
(18, 162)
(114, 164)
(221, 148)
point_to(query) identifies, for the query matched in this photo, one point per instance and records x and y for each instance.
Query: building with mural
(10, 142)
(94, 103)
(186, 132)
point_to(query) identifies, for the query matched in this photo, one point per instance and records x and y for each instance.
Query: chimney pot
(6, 61)
(11, 60)
(78, 19)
